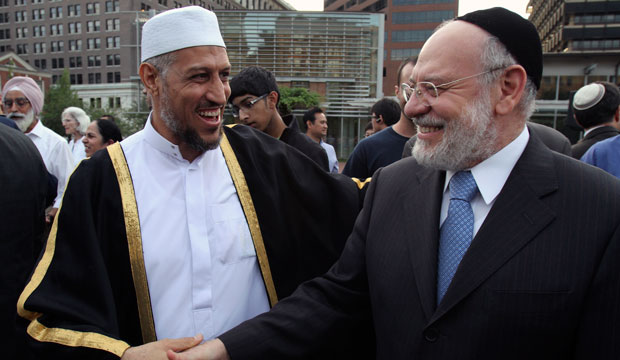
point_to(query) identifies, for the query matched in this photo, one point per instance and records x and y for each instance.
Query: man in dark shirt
(254, 98)
(382, 148)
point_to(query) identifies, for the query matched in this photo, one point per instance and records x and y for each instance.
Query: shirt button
(431, 334)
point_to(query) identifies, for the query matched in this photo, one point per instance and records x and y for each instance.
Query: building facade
(96, 41)
(334, 54)
(572, 25)
(408, 23)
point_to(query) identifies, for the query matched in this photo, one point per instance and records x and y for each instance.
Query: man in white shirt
(469, 249)
(23, 101)
(187, 226)
(316, 129)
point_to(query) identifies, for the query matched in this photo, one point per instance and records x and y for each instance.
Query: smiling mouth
(428, 129)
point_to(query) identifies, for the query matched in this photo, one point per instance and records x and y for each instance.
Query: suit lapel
(518, 214)
(423, 204)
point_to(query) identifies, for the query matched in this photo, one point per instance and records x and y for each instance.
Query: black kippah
(518, 35)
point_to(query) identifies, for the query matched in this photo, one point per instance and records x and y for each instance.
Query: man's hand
(157, 349)
(211, 350)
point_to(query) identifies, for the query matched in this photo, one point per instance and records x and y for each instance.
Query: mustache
(13, 116)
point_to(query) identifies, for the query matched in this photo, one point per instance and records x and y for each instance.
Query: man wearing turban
(23, 100)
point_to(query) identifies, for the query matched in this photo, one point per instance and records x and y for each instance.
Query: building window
(37, 14)
(39, 48)
(75, 79)
(95, 78)
(411, 35)
(92, 8)
(21, 33)
(20, 16)
(40, 63)
(94, 60)
(5, 34)
(93, 43)
(93, 26)
(419, 2)
(113, 60)
(413, 17)
(73, 10)
(114, 77)
(145, 7)
(56, 12)
(58, 63)
(38, 31)
(4, 3)
(113, 42)
(75, 28)
(75, 62)
(58, 46)
(112, 6)
(55, 29)
(22, 49)
(75, 45)
(112, 24)
(94, 102)
(402, 54)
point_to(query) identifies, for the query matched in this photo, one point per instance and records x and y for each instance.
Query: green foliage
(297, 98)
(58, 98)
(134, 119)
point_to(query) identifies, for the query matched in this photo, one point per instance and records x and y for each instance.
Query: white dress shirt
(201, 266)
(331, 157)
(56, 156)
(77, 149)
(490, 176)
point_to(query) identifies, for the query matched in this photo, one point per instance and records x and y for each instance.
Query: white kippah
(179, 29)
(588, 96)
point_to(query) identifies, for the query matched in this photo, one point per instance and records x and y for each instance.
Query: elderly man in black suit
(469, 248)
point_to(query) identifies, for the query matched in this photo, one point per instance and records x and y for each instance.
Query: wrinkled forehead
(452, 51)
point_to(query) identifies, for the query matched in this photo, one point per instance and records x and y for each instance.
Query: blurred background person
(100, 134)
(368, 130)
(75, 121)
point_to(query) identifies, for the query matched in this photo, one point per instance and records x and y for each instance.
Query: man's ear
(511, 86)
(150, 78)
(110, 142)
(272, 99)
(396, 90)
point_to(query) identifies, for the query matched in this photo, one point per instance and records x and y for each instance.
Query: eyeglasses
(429, 91)
(245, 106)
(19, 101)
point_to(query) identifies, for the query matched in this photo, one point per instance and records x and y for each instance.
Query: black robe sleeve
(80, 300)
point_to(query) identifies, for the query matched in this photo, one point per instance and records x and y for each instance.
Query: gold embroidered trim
(250, 214)
(361, 184)
(134, 241)
(56, 335)
(76, 338)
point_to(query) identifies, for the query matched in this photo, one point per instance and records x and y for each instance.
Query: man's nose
(217, 92)
(13, 107)
(415, 107)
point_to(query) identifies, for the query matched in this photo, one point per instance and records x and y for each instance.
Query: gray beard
(186, 134)
(22, 121)
(467, 140)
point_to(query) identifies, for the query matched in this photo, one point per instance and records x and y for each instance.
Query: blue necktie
(457, 230)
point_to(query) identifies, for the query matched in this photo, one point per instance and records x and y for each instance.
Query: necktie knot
(463, 186)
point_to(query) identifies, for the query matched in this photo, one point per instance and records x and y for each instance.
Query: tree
(58, 98)
(297, 98)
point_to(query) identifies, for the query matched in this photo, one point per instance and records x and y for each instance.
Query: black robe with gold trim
(89, 293)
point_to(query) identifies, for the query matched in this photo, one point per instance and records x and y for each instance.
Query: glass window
(568, 84)
(547, 88)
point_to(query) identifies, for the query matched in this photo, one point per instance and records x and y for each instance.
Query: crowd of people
(456, 230)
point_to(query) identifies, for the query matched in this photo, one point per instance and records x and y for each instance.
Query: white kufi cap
(588, 96)
(179, 29)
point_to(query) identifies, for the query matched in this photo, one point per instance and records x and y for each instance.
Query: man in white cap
(596, 108)
(187, 227)
(23, 101)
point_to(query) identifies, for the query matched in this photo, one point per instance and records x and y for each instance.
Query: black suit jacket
(534, 284)
(596, 135)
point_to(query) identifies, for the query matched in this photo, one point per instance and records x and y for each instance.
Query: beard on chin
(23, 121)
(183, 132)
(467, 139)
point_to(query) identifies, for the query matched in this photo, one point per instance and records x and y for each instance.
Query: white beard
(22, 121)
(467, 139)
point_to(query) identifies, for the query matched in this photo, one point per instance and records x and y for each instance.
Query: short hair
(162, 62)
(109, 130)
(107, 117)
(253, 80)
(368, 126)
(388, 109)
(80, 116)
(409, 60)
(310, 115)
(602, 112)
